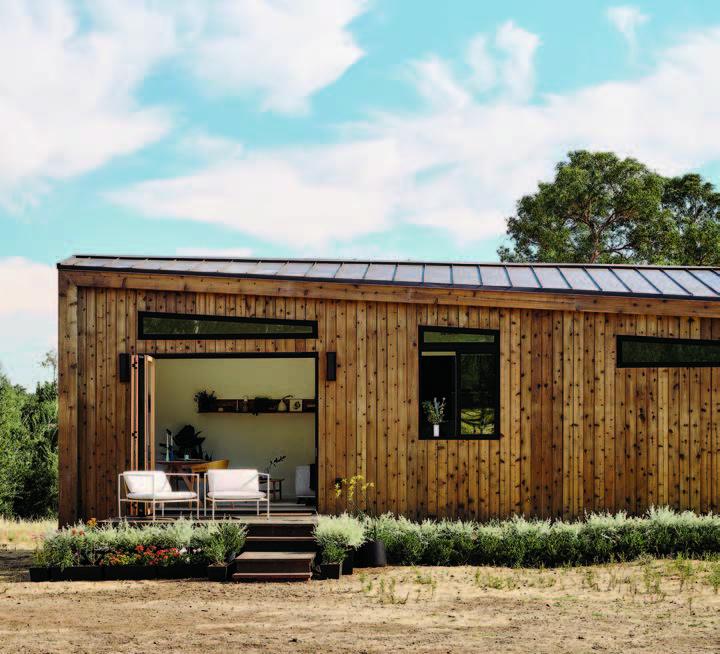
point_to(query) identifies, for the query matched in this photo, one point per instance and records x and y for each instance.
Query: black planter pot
(183, 571)
(39, 574)
(222, 572)
(77, 573)
(348, 561)
(331, 570)
(130, 572)
(371, 555)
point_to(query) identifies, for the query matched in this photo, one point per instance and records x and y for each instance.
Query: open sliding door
(142, 412)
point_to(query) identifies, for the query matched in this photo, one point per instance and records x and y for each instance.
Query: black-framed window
(157, 325)
(654, 352)
(463, 367)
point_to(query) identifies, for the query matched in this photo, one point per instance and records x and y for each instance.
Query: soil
(616, 608)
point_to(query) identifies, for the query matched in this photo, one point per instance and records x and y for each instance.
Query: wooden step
(280, 543)
(297, 529)
(274, 562)
(264, 577)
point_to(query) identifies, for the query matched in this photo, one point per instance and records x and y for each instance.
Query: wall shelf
(247, 407)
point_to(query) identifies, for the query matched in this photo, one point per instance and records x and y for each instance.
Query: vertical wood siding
(578, 433)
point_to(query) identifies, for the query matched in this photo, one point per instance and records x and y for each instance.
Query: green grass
(21, 534)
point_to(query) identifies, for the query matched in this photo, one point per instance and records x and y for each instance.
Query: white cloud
(28, 317)
(66, 94)
(285, 50)
(460, 163)
(70, 72)
(627, 20)
(295, 196)
(517, 69)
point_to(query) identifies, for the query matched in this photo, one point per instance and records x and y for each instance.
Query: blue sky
(330, 128)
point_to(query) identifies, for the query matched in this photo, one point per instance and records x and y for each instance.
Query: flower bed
(173, 551)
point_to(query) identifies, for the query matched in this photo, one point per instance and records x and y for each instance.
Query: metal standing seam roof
(677, 282)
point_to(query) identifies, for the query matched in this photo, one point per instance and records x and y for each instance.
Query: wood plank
(684, 422)
(329, 431)
(339, 430)
(641, 420)
(599, 424)
(351, 374)
(422, 476)
(694, 451)
(392, 400)
(90, 454)
(361, 391)
(651, 408)
(382, 416)
(514, 410)
(68, 426)
(578, 409)
(536, 372)
(526, 426)
(612, 374)
(506, 454)
(706, 425)
(588, 417)
(442, 445)
(432, 446)
(714, 498)
(663, 398)
(372, 463)
(410, 294)
(629, 478)
(546, 422)
(404, 406)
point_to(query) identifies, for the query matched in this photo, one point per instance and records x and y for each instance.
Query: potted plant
(205, 401)
(434, 412)
(227, 540)
(332, 559)
(354, 492)
(343, 531)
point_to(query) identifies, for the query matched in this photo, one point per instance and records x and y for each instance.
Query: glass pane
(457, 337)
(437, 381)
(478, 387)
(194, 327)
(670, 353)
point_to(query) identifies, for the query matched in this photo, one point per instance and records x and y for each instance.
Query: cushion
(235, 495)
(233, 481)
(148, 483)
(164, 495)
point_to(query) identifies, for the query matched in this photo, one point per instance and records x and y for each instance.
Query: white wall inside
(248, 441)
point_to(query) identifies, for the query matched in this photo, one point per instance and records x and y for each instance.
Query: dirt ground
(657, 606)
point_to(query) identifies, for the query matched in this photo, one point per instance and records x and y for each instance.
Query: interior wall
(248, 441)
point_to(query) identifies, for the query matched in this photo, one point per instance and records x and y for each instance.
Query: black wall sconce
(331, 366)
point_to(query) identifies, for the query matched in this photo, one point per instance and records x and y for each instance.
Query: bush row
(89, 544)
(519, 542)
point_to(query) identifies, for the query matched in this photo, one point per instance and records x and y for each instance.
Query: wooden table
(275, 489)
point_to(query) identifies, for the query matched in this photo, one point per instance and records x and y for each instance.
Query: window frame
(623, 338)
(143, 336)
(460, 348)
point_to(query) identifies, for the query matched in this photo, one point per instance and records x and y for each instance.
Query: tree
(694, 206)
(599, 209)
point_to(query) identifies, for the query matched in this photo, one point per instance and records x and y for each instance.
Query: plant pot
(331, 570)
(221, 572)
(77, 573)
(183, 571)
(39, 574)
(130, 572)
(436, 431)
(371, 555)
(348, 561)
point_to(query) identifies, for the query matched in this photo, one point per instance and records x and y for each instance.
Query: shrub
(517, 541)
(343, 530)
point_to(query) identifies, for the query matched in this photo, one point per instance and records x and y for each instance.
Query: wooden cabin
(567, 388)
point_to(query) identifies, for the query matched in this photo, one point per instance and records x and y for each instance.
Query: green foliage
(333, 553)
(518, 542)
(603, 209)
(343, 530)
(28, 449)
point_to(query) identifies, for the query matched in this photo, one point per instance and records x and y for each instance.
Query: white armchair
(235, 486)
(154, 486)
